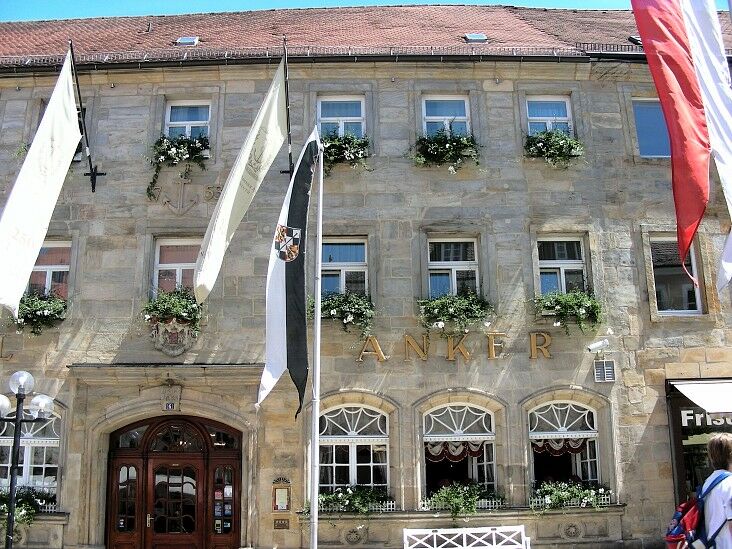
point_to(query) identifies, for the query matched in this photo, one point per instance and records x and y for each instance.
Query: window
(563, 439)
(189, 118)
(458, 446)
(445, 113)
(39, 450)
(344, 266)
(548, 113)
(51, 272)
(353, 448)
(453, 268)
(561, 264)
(650, 127)
(175, 261)
(341, 115)
(675, 292)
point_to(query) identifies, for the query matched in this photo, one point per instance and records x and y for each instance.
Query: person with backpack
(718, 502)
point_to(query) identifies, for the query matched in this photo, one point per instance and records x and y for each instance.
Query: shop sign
(539, 343)
(695, 418)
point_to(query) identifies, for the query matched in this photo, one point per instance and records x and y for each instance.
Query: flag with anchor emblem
(259, 150)
(287, 346)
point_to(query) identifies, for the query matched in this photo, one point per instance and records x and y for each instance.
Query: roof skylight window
(475, 37)
(187, 41)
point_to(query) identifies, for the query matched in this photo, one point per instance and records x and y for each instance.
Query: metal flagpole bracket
(93, 172)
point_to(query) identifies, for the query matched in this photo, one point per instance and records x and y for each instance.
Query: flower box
(445, 148)
(175, 151)
(453, 314)
(556, 147)
(576, 307)
(348, 308)
(485, 504)
(175, 319)
(39, 311)
(347, 149)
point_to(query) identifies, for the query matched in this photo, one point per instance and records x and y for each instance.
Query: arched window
(458, 443)
(354, 448)
(563, 438)
(39, 449)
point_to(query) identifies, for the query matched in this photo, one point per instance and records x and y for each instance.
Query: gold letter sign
(371, 340)
(422, 351)
(544, 347)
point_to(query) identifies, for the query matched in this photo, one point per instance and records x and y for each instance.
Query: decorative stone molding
(173, 338)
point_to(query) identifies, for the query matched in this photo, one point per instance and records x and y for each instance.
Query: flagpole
(287, 103)
(315, 411)
(93, 173)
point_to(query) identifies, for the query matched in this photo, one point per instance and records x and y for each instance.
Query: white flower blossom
(582, 311)
(440, 324)
(147, 317)
(487, 324)
(333, 312)
(557, 323)
(451, 170)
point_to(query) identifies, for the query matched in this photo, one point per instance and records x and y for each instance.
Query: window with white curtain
(546, 113)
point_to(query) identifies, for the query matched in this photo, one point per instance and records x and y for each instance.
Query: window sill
(680, 317)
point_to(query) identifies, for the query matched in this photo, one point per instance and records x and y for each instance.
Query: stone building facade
(113, 388)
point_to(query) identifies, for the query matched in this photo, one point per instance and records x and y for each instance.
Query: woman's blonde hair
(719, 448)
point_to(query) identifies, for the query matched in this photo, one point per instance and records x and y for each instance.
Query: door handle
(149, 519)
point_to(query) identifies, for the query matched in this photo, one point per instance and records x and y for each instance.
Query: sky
(24, 10)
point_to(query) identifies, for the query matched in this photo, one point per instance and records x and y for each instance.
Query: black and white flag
(286, 340)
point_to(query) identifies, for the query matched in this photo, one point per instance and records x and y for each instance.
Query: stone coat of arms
(173, 338)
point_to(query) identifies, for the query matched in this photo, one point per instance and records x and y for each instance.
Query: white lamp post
(41, 407)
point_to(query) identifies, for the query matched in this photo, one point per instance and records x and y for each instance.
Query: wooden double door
(174, 484)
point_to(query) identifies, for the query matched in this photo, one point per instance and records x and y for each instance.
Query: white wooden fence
(503, 537)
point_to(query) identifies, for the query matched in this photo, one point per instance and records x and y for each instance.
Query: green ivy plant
(350, 308)
(180, 304)
(459, 499)
(556, 495)
(347, 148)
(172, 151)
(358, 500)
(453, 314)
(554, 146)
(28, 502)
(576, 306)
(39, 311)
(445, 148)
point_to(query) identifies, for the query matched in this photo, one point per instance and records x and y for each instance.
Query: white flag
(259, 150)
(28, 211)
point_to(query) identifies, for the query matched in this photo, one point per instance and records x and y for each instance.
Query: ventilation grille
(604, 371)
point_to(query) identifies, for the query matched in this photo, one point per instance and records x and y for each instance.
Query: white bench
(503, 537)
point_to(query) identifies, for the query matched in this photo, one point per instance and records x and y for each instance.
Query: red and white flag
(683, 44)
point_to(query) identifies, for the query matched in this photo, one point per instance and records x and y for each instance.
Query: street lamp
(41, 407)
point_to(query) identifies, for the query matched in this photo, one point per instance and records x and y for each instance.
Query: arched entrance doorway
(174, 483)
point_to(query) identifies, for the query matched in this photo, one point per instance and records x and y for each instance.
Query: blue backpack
(686, 528)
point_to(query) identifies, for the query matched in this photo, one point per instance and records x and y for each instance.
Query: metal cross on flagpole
(93, 172)
(315, 411)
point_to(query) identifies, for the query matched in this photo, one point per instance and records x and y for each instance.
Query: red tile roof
(322, 31)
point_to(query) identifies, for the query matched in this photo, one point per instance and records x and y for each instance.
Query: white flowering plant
(355, 499)
(38, 311)
(556, 147)
(453, 314)
(174, 151)
(28, 502)
(348, 308)
(556, 495)
(577, 306)
(347, 148)
(445, 148)
(180, 304)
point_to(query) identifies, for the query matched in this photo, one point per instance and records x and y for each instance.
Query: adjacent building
(157, 442)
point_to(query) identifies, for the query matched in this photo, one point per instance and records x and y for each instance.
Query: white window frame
(189, 241)
(488, 439)
(697, 289)
(563, 264)
(353, 441)
(444, 119)
(549, 121)
(50, 269)
(635, 125)
(343, 267)
(27, 444)
(187, 125)
(341, 120)
(453, 266)
(592, 437)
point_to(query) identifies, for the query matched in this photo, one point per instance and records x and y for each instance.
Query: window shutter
(604, 371)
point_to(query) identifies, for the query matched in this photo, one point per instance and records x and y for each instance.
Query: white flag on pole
(27, 213)
(259, 150)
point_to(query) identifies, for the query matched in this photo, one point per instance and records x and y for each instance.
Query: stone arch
(95, 449)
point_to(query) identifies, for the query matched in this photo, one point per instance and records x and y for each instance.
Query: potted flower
(349, 308)
(558, 495)
(28, 502)
(459, 499)
(39, 311)
(347, 148)
(172, 151)
(576, 306)
(359, 500)
(175, 318)
(445, 147)
(556, 147)
(453, 314)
